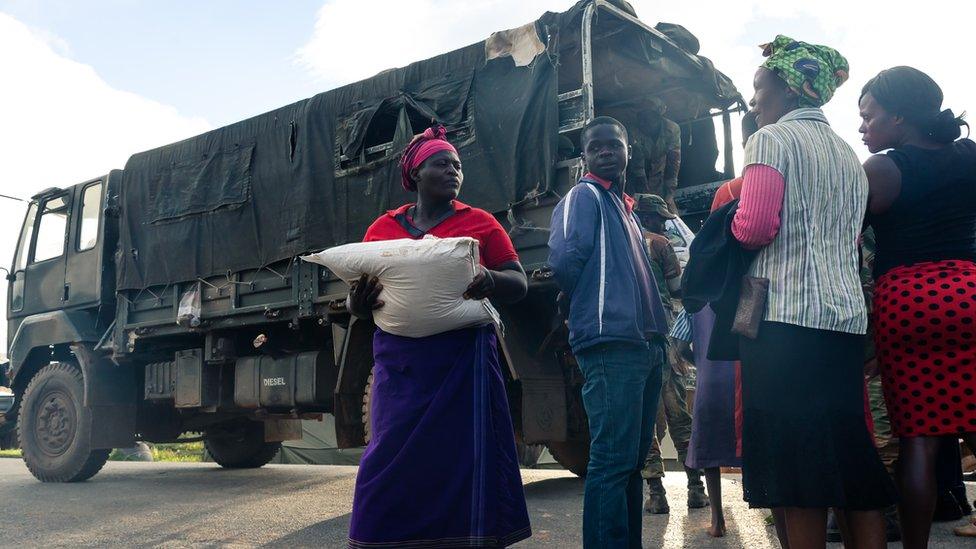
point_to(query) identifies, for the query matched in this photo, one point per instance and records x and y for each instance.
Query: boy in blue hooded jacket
(616, 329)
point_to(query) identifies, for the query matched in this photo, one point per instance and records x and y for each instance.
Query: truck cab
(60, 294)
(59, 264)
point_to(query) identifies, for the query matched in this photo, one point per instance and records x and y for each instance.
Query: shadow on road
(169, 505)
(334, 532)
(328, 533)
(556, 508)
(554, 487)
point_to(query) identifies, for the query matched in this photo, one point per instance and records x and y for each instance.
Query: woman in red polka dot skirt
(923, 209)
(926, 333)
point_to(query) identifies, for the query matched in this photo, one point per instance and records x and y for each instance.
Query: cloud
(60, 123)
(355, 39)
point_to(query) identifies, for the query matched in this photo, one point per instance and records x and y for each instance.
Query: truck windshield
(26, 234)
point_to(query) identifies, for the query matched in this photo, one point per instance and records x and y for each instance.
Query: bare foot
(717, 530)
(968, 530)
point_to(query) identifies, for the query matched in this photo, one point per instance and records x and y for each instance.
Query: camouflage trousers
(673, 416)
(886, 443)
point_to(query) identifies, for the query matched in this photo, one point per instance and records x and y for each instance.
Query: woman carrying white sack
(440, 468)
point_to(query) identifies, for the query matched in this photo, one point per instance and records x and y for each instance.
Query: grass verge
(187, 452)
(180, 451)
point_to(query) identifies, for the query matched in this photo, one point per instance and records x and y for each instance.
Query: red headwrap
(422, 147)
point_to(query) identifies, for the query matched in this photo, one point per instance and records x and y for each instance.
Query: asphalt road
(201, 505)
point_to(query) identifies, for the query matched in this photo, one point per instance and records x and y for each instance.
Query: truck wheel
(241, 445)
(8, 440)
(8, 431)
(55, 427)
(571, 454)
(367, 393)
(528, 454)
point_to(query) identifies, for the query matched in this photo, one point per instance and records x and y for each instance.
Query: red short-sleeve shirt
(494, 245)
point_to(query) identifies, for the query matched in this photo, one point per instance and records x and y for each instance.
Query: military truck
(168, 298)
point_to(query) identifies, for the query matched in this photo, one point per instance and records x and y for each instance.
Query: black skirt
(805, 441)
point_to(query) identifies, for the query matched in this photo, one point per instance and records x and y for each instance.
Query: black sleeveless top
(934, 216)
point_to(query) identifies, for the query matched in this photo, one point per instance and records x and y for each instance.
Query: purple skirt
(713, 439)
(440, 469)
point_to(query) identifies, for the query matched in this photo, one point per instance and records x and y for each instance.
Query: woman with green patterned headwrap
(812, 72)
(805, 442)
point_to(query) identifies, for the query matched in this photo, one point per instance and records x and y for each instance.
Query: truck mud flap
(110, 395)
(280, 430)
(531, 347)
(543, 409)
(356, 362)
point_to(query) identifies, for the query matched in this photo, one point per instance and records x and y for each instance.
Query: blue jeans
(623, 384)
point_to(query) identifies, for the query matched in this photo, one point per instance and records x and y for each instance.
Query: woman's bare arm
(884, 183)
(507, 284)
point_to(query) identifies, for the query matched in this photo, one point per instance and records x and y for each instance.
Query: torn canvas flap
(522, 44)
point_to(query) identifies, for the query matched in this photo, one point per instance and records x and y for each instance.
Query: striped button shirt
(682, 329)
(812, 263)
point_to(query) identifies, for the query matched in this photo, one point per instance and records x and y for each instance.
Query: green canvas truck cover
(316, 173)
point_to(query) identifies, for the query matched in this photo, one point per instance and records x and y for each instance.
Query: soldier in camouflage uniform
(673, 412)
(655, 154)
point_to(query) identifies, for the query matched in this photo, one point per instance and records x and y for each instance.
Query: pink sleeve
(756, 221)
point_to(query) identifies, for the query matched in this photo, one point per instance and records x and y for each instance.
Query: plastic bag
(188, 313)
(423, 281)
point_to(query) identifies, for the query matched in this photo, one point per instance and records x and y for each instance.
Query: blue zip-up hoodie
(593, 262)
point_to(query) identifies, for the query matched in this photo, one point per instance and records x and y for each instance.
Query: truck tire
(8, 440)
(54, 427)
(367, 394)
(571, 454)
(8, 431)
(528, 454)
(241, 445)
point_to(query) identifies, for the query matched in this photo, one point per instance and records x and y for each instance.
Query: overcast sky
(83, 85)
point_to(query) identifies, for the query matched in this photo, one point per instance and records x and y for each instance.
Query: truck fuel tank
(304, 380)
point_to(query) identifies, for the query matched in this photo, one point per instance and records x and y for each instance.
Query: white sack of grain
(423, 281)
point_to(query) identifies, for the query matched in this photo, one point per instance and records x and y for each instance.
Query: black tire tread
(528, 454)
(367, 397)
(13, 440)
(573, 455)
(255, 461)
(96, 458)
(261, 453)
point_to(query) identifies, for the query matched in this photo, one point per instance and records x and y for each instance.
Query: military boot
(696, 490)
(657, 501)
